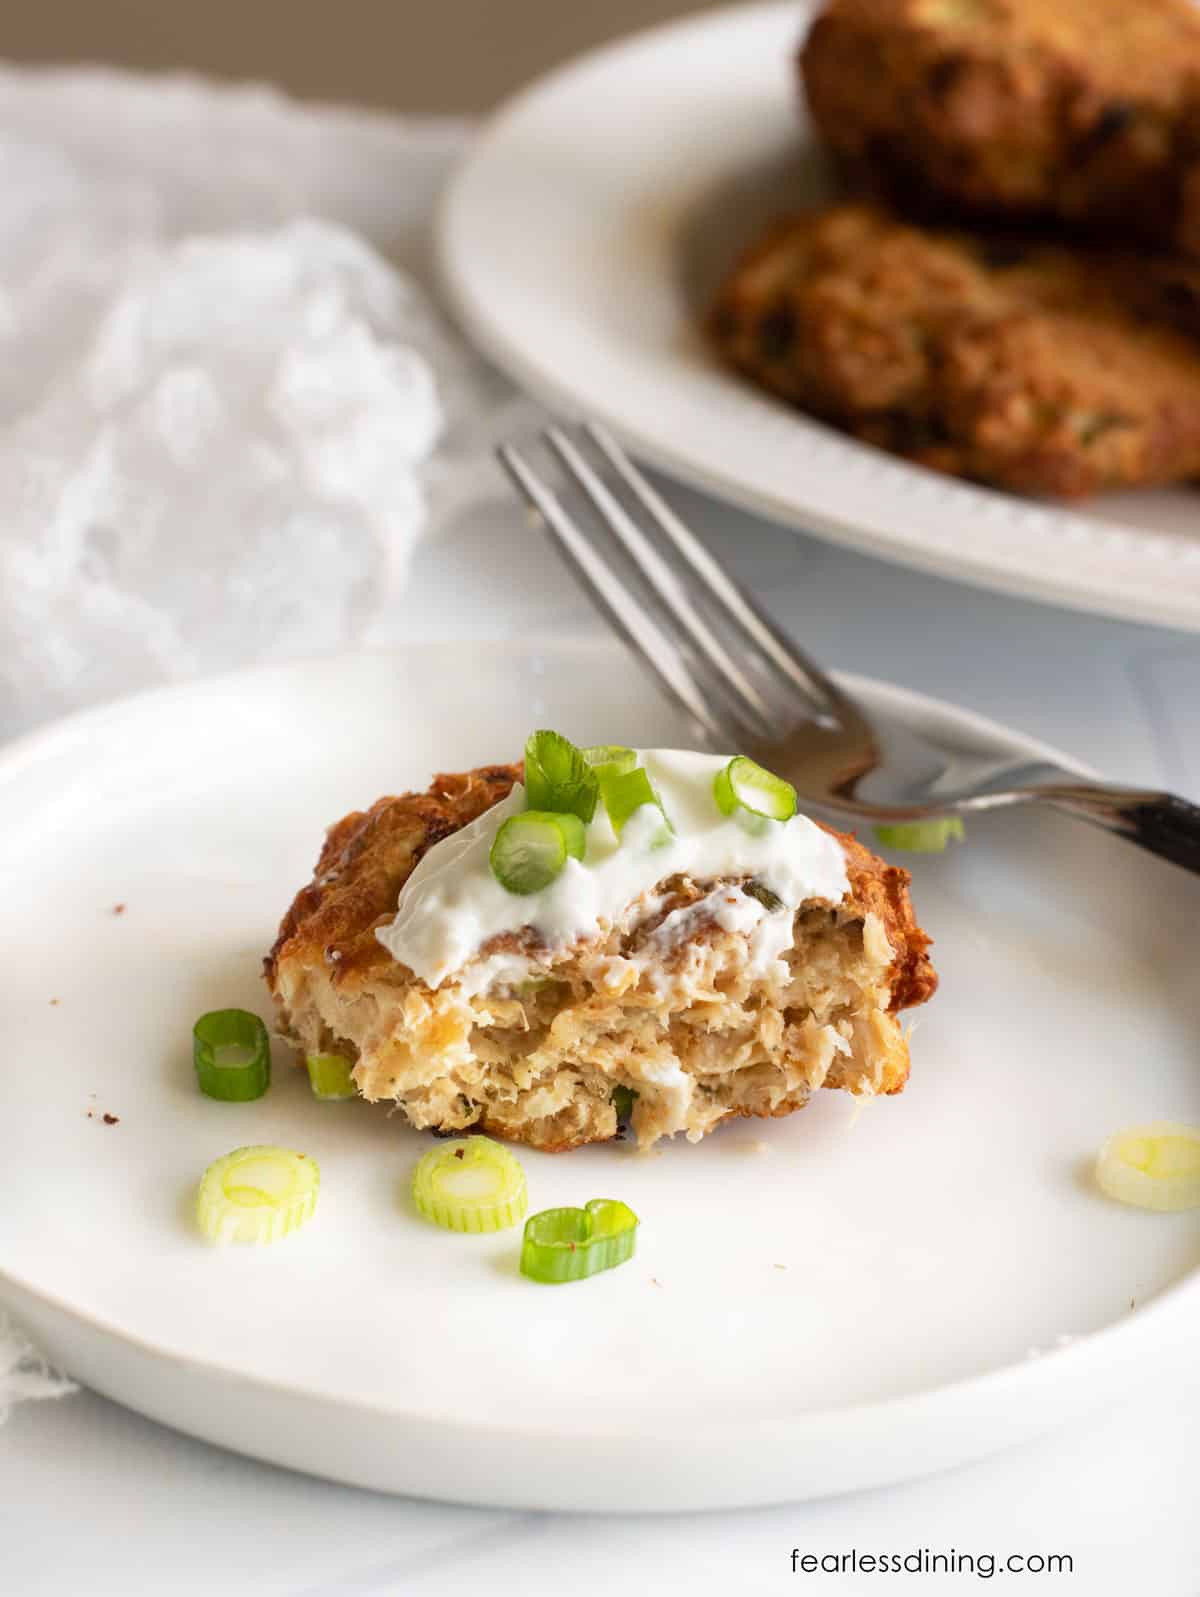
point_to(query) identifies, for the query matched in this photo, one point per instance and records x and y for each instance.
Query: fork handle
(1160, 822)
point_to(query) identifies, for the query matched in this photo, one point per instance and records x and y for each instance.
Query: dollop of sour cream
(452, 904)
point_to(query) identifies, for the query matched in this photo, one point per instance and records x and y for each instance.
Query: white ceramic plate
(589, 226)
(817, 1303)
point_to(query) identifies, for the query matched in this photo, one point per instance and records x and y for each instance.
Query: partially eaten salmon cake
(692, 963)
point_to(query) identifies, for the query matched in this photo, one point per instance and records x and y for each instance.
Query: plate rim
(1047, 585)
(1121, 1345)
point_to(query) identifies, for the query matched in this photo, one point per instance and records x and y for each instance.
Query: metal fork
(747, 688)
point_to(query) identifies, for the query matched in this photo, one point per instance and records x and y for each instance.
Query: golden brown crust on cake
(877, 888)
(366, 859)
(1084, 110)
(1034, 367)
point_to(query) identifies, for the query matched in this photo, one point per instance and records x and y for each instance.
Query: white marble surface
(96, 1500)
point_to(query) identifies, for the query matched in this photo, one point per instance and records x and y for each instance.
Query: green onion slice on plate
(922, 837)
(232, 1055)
(257, 1195)
(558, 777)
(1153, 1167)
(470, 1184)
(530, 849)
(570, 1244)
(626, 792)
(745, 785)
(329, 1076)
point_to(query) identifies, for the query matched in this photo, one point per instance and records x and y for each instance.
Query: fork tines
(713, 649)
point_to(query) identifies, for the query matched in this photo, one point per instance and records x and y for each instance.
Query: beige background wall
(412, 55)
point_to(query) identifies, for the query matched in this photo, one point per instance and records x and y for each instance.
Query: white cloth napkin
(24, 1373)
(228, 403)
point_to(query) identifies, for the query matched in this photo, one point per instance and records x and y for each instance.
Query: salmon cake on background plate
(1084, 111)
(1047, 370)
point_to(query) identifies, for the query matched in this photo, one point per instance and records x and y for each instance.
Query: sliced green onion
(626, 792)
(743, 784)
(232, 1055)
(558, 777)
(922, 837)
(570, 1244)
(1152, 1167)
(329, 1076)
(623, 1101)
(610, 757)
(257, 1195)
(770, 901)
(470, 1184)
(530, 849)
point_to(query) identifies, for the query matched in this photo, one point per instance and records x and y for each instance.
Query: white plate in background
(585, 232)
(928, 1243)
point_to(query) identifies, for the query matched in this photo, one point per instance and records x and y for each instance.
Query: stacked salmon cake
(1010, 296)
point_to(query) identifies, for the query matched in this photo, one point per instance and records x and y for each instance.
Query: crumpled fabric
(229, 403)
(24, 1374)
